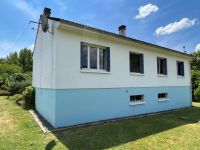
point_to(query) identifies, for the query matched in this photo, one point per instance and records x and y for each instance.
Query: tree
(195, 64)
(2, 61)
(12, 58)
(26, 60)
(9, 69)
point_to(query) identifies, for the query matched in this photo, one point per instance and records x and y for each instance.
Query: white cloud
(26, 8)
(197, 48)
(146, 10)
(176, 26)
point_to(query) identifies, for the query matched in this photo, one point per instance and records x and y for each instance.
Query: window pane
(84, 56)
(180, 68)
(102, 59)
(162, 95)
(136, 98)
(93, 57)
(162, 66)
(135, 63)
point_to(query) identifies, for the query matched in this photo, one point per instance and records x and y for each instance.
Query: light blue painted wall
(78, 106)
(45, 104)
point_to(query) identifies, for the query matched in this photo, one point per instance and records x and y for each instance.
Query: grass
(18, 130)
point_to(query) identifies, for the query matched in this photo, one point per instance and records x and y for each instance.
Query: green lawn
(18, 130)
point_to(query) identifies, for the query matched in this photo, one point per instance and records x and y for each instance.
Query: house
(83, 74)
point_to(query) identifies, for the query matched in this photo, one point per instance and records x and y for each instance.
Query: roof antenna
(184, 49)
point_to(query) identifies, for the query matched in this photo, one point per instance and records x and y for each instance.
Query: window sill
(162, 75)
(163, 100)
(180, 76)
(136, 74)
(136, 103)
(94, 71)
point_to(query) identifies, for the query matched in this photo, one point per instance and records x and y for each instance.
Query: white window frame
(88, 69)
(136, 73)
(158, 71)
(139, 102)
(163, 99)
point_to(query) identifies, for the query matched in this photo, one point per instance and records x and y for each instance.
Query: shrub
(9, 69)
(197, 94)
(4, 93)
(195, 79)
(19, 100)
(17, 87)
(29, 95)
(16, 97)
(17, 83)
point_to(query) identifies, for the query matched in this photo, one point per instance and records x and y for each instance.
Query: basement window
(180, 68)
(162, 96)
(136, 99)
(95, 57)
(136, 63)
(162, 66)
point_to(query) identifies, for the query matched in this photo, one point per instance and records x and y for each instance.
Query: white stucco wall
(44, 58)
(65, 72)
(68, 74)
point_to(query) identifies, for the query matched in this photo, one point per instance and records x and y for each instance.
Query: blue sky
(172, 23)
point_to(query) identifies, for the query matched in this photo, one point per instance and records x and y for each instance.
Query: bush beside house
(29, 95)
(16, 77)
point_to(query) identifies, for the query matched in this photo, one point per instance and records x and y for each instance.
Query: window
(95, 57)
(84, 56)
(162, 66)
(162, 95)
(180, 68)
(136, 63)
(102, 59)
(137, 99)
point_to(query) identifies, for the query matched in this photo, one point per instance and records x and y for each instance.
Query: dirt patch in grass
(6, 123)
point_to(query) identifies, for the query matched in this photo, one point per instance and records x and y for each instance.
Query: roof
(117, 35)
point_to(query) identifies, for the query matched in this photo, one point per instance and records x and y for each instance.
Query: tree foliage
(9, 69)
(195, 66)
(15, 72)
(12, 58)
(26, 60)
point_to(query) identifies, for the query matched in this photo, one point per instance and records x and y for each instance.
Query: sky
(172, 23)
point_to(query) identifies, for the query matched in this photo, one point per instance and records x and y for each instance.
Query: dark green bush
(197, 94)
(4, 93)
(17, 83)
(17, 87)
(29, 95)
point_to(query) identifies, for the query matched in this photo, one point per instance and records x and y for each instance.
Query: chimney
(122, 30)
(47, 12)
